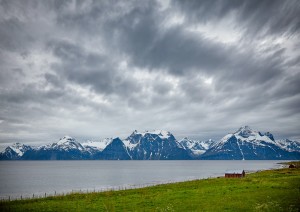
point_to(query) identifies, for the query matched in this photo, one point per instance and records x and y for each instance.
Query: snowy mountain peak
(196, 147)
(246, 127)
(67, 142)
(19, 148)
(161, 133)
(245, 131)
(225, 138)
(247, 134)
(66, 138)
(268, 134)
(187, 143)
(18, 145)
(289, 145)
(100, 145)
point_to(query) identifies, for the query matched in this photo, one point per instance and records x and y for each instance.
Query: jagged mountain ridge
(248, 144)
(15, 151)
(155, 145)
(244, 144)
(196, 148)
(289, 145)
(67, 148)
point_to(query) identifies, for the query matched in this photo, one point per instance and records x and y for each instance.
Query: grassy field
(272, 190)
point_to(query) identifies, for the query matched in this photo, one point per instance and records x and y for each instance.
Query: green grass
(272, 190)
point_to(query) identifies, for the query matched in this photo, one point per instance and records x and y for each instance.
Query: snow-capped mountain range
(244, 144)
(248, 144)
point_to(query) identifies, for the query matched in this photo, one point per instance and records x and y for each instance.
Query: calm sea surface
(39, 177)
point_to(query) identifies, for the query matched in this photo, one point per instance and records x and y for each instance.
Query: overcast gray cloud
(95, 69)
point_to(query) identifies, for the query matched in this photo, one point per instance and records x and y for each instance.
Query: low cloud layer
(100, 69)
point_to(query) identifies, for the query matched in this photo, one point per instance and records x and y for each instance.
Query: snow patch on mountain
(196, 147)
(67, 143)
(100, 145)
(289, 145)
(129, 145)
(19, 149)
(225, 138)
(246, 134)
(246, 143)
(163, 134)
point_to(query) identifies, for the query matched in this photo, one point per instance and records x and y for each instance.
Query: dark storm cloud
(15, 28)
(176, 51)
(90, 69)
(292, 88)
(54, 80)
(138, 33)
(180, 52)
(106, 68)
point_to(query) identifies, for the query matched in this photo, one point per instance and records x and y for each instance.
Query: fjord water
(39, 177)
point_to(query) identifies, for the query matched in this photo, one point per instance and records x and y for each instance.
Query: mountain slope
(155, 145)
(195, 148)
(99, 145)
(96, 147)
(248, 144)
(14, 152)
(66, 148)
(289, 145)
(115, 150)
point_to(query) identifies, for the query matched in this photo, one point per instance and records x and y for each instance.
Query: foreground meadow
(272, 190)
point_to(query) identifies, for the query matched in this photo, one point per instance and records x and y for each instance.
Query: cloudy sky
(95, 69)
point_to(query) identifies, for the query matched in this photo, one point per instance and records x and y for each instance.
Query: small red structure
(235, 174)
